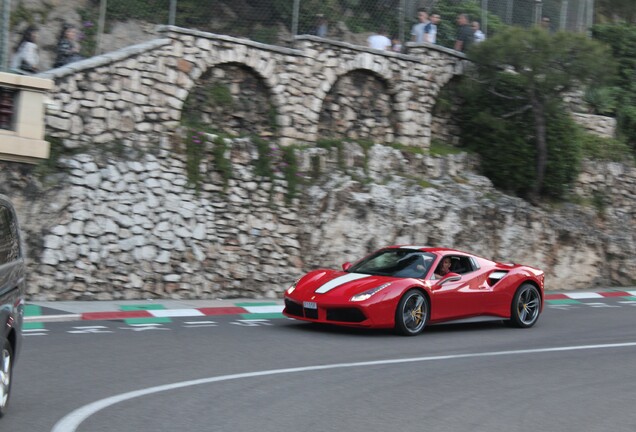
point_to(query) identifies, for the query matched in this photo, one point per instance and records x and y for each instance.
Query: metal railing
(278, 21)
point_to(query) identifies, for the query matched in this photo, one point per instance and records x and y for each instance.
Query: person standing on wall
(478, 35)
(430, 30)
(417, 32)
(380, 40)
(68, 47)
(26, 57)
(465, 36)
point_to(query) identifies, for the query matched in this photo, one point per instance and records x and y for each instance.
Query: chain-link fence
(107, 25)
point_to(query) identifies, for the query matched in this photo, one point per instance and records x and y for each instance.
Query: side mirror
(450, 277)
(346, 266)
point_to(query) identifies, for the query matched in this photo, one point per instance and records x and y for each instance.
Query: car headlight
(292, 287)
(368, 293)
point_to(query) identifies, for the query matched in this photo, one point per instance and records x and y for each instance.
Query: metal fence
(278, 21)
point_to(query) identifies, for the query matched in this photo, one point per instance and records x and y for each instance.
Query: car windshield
(405, 263)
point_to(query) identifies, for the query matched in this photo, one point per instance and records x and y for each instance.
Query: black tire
(6, 371)
(412, 313)
(526, 306)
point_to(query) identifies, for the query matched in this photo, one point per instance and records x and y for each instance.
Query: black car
(12, 288)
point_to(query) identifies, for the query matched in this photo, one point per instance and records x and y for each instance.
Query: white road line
(584, 295)
(175, 313)
(264, 309)
(71, 421)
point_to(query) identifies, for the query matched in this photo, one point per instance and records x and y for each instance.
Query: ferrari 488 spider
(401, 287)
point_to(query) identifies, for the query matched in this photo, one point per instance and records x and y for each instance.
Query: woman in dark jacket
(67, 46)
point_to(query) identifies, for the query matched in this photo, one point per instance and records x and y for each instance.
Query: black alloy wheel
(412, 313)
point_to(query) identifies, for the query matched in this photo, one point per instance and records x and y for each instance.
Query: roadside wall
(130, 227)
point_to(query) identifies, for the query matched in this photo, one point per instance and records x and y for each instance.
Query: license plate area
(310, 305)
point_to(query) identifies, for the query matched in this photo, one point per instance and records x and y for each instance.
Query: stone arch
(359, 105)
(234, 98)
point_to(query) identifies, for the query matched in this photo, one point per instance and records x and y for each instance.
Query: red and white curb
(265, 309)
(589, 295)
(158, 313)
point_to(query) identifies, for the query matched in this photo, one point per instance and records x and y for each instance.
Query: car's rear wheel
(6, 367)
(411, 315)
(526, 306)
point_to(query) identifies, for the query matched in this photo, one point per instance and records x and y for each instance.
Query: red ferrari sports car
(409, 287)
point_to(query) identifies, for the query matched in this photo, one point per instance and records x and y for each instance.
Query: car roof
(432, 249)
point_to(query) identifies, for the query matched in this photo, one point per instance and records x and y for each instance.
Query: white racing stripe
(71, 421)
(340, 281)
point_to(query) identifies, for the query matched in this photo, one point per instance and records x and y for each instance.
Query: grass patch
(440, 148)
(606, 149)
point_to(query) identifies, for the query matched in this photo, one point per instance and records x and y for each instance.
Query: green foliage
(622, 40)
(88, 31)
(195, 143)
(289, 167)
(22, 14)
(601, 148)
(547, 64)
(315, 167)
(564, 152)
(50, 166)
(407, 148)
(603, 100)
(267, 35)
(222, 164)
(514, 117)
(274, 161)
(440, 148)
(507, 143)
(220, 94)
(154, 11)
(263, 166)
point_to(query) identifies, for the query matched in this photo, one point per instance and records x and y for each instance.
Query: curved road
(576, 370)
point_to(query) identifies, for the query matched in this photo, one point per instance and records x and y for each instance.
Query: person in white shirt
(379, 40)
(478, 35)
(26, 58)
(430, 30)
(417, 32)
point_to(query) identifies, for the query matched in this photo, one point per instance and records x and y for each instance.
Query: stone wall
(137, 94)
(598, 125)
(130, 227)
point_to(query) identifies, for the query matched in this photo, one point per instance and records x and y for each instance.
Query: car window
(405, 263)
(9, 242)
(461, 264)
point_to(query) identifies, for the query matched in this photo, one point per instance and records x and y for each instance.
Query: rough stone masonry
(131, 227)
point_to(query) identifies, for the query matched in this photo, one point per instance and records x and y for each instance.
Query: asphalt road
(574, 371)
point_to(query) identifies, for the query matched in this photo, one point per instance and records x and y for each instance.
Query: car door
(461, 298)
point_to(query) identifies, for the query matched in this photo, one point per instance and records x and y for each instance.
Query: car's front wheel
(412, 313)
(526, 306)
(6, 365)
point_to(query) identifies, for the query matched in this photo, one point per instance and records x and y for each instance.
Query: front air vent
(495, 277)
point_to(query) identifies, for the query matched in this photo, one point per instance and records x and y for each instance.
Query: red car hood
(338, 283)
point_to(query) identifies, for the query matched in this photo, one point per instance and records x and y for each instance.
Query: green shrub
(219, 95)
(263, 165)
(603, 100)
(195, 142)
(222, 164)
(601, 148)
(622, 40)
(289, 167)
(506, 142)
